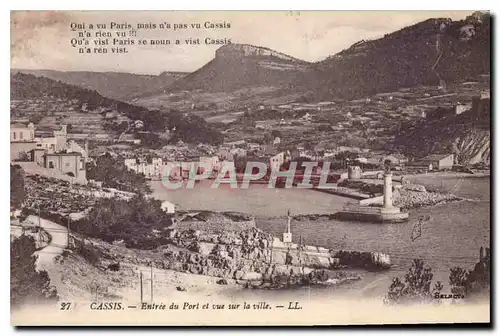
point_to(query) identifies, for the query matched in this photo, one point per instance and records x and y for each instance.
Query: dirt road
(58, 243)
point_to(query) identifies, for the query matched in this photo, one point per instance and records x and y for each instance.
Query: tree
(240, 163)
(416, 287)
(276, 134)
(135, 221)
(151, 140)
(472, 283)
(17, 192)
(114, 174)
(35, 118)
(27, 285)
(23, 157)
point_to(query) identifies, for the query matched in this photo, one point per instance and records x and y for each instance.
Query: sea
(451, 234)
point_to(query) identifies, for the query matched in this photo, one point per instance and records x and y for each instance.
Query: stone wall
(255, 254)
(215, 222)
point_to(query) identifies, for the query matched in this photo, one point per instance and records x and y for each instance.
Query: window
(20, 135)
(14, 135)
(51, 164)
(67, 164)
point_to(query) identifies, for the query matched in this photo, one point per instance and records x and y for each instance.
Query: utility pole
(69, 222)
(271, 254)
(141, 288)
(39, 223)
(151, 281)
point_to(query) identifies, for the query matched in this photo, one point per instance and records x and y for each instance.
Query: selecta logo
(177, 175)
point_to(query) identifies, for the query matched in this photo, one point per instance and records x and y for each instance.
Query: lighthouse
(287, 235)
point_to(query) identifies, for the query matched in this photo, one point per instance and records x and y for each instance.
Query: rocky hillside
(421, 54)
(238, 66)
(465, 136)
(118, 85)
(474, 147)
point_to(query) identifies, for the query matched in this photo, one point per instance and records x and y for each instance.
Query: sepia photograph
(250, 168)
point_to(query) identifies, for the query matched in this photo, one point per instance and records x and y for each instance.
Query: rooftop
(18, 125)
(65, 154)
(436, 157)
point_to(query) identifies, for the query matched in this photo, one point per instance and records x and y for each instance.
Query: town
(256, 180)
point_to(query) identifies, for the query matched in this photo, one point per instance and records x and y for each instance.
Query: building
(20, 150)
(168, 207)
(22, 141)
(461, 108)
(394, 159)
(418, 167)
(276, 161)
(481, 105)
(56, 143)
(70, 163)
(38, 156)
(210, 163)
(439, 161)
(73, 146)
(225, 154)
(149, 170)
(20, 132)
(131, 164)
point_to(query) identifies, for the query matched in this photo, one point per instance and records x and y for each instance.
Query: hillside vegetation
(117, 85)
(464, 135)
(421, 54)
(38, 90)
(405, 58)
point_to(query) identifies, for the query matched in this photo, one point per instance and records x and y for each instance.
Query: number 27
(65, 305)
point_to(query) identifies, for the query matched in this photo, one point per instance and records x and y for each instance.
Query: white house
(168, 207)
(19, 132)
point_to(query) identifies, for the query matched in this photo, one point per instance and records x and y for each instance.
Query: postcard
(250, 168)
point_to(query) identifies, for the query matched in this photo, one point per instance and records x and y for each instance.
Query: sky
(42, 39)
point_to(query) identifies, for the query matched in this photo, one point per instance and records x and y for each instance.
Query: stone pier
(387, 213)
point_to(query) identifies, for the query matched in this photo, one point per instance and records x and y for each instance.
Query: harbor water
(451, 234)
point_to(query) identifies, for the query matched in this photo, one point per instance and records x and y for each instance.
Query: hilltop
(49, 103)
(421, 54)
(238, 66)
(117, 85)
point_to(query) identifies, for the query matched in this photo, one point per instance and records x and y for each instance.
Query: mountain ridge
(112, 84)
(425, 53)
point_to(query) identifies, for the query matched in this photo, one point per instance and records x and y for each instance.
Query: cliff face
(473, 147)
(246, 50)
(464, 135)
(241, 66)
(426, 53)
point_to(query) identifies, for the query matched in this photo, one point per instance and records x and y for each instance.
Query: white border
(198, 5)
